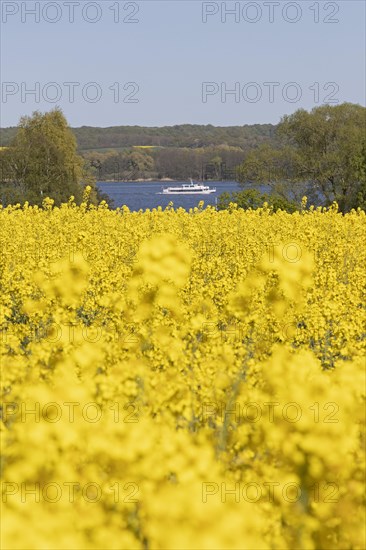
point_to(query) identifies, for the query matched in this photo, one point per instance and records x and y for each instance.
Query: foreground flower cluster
(182, 380)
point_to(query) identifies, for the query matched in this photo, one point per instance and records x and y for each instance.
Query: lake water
(142, 195)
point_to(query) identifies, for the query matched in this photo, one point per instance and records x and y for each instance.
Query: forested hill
(185, 135)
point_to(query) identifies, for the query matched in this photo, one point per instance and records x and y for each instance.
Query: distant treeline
(174, 152)
(184, 135)
(177, 163)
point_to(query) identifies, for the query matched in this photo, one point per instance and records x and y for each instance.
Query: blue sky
(177, 62)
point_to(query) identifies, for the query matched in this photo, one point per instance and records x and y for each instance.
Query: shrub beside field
(176, 379)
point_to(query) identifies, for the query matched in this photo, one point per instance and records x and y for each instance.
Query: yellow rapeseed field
(182, 380)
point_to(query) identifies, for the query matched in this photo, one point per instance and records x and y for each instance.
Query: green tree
(324, 148)
(43, 161)
(139, 163)
(216, 162)
(252, 198)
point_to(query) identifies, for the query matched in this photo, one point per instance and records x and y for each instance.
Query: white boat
(188, 189)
